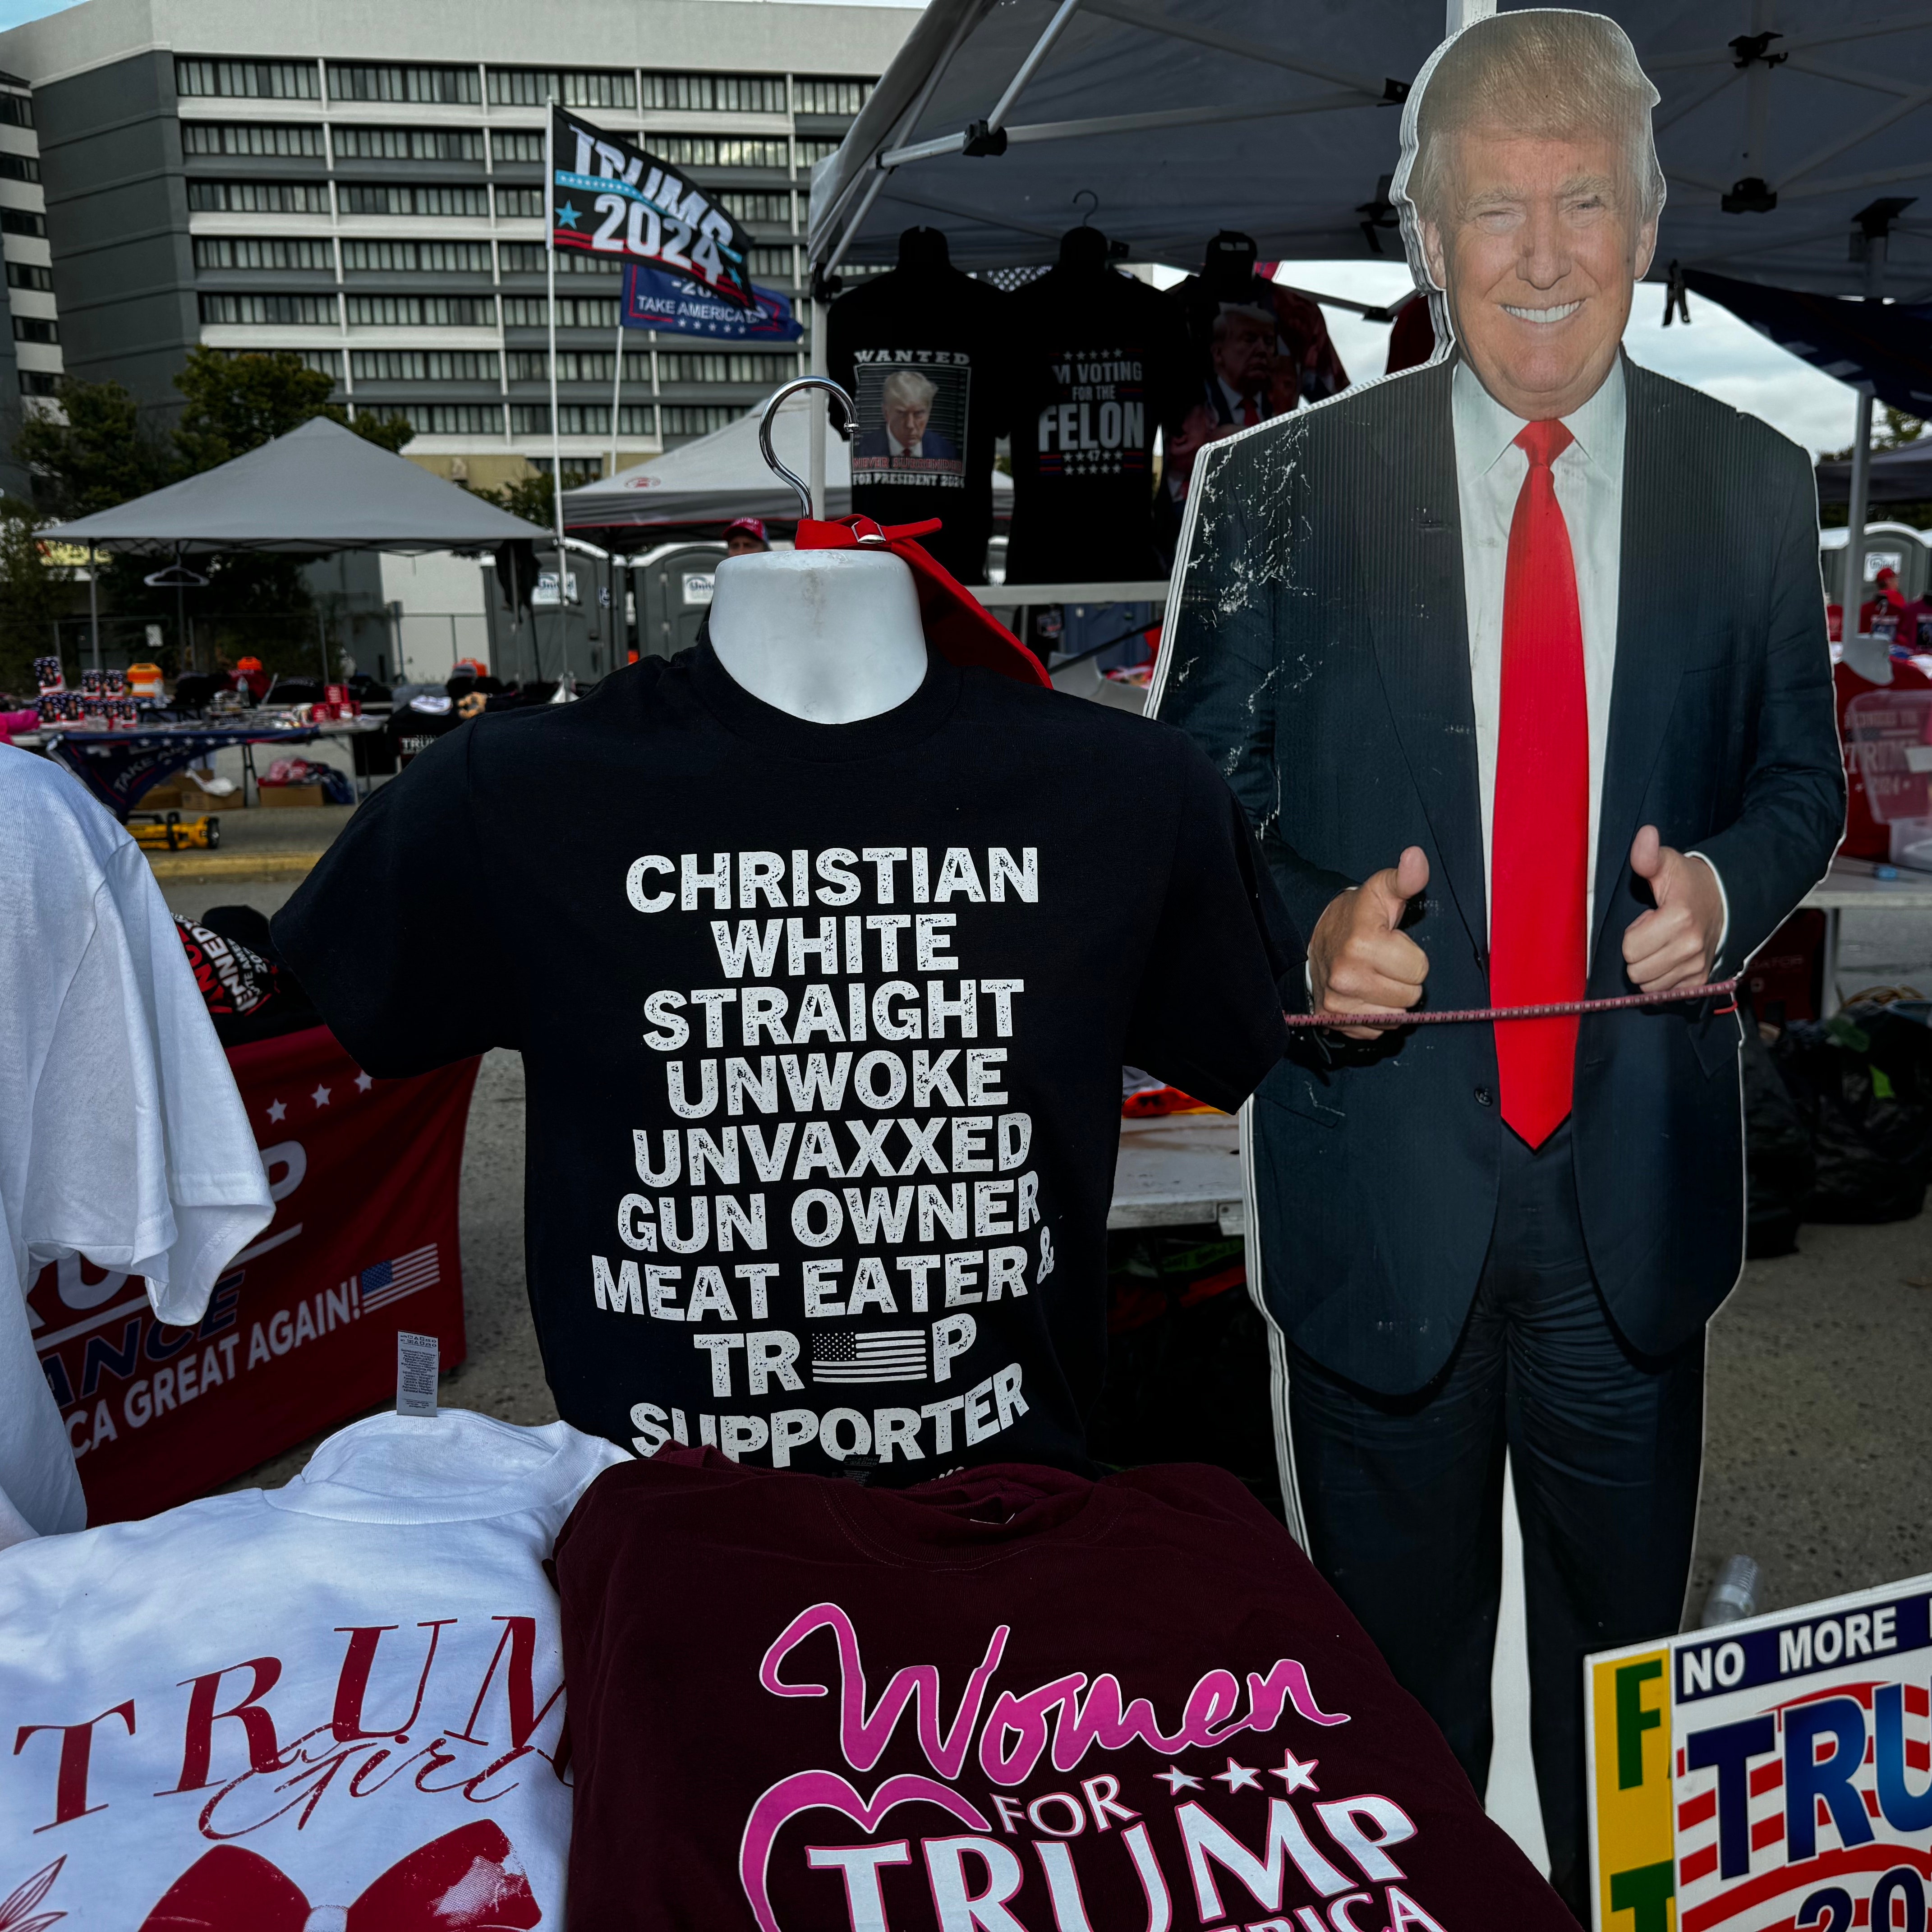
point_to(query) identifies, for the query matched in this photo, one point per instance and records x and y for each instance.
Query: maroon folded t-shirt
(1009, 1701)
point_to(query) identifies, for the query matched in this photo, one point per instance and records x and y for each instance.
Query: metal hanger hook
(1087, 214)
(778, 402)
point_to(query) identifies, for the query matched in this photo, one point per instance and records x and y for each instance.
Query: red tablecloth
(301, 1331)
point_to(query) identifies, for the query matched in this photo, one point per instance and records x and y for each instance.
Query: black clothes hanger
(1227, 266)
(924, 248)
(1083, 248)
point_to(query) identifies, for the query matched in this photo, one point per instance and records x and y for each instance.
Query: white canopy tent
(720, 476)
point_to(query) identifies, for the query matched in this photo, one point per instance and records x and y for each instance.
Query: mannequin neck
(1870, 658)
(830, 636)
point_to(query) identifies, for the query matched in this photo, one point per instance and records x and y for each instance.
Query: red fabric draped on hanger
(956, 625)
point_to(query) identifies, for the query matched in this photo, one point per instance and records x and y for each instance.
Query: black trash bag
(1188, 1375)
(1862, 1082)
(1779, 1167)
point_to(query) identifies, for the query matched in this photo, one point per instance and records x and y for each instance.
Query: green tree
(529, 497)
(101, 455)
(237, 403)
(30, 596)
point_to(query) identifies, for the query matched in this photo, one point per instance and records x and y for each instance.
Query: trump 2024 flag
(607, 197)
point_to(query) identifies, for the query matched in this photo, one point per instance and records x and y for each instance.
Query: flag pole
(549, 309)
(617, 380)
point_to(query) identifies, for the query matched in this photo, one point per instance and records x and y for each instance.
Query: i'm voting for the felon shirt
(822, 1027)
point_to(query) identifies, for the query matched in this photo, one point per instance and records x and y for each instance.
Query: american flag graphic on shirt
(886, 1355)
(391, 1280)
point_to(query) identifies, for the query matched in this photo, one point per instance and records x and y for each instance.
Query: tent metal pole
(93, 600)
(1466, 13)
(617, 383)
(1853, 596)
(1041, 48)
(322, 643)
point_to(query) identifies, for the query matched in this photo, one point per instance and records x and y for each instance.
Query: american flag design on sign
(886, 1355)
(390, 1281)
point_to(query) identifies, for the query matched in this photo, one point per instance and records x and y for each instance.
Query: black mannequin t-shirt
(1100, 363)
(921, 350)
(823, 1028)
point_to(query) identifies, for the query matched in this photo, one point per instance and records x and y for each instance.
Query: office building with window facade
(366, 191)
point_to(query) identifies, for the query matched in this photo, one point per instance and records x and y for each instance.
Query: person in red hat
(745, 537)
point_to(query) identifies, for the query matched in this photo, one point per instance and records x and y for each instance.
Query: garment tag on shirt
(416, 1374)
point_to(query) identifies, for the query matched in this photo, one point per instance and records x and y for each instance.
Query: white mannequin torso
(830, 636)
(1870, 657)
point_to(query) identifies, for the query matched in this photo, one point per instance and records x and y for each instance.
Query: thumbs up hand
(1675, 944)
(1360, 960)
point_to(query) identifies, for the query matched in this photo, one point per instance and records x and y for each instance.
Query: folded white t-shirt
(288, 1703)
(122, 1137)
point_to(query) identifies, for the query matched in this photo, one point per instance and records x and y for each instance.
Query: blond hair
(1537, 71)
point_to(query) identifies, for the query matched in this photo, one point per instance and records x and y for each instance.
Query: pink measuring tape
(1561, 1009)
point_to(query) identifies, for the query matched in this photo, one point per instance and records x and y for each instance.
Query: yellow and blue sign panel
(1774, 1775)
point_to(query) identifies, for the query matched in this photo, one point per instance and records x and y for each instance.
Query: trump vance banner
(1774, 1775)
(608, 197)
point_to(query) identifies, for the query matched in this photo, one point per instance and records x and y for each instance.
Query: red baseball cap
(751, 526)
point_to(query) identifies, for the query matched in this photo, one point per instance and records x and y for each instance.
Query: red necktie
(1250, 415)
(1540, 836)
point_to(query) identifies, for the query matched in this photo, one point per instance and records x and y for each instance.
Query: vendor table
(1843, 891)
(119, 767)
(1179, 1171)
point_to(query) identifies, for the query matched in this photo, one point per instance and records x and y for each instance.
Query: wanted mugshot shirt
(823, 1028)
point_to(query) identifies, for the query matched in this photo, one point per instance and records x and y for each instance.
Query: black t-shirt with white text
(822, 1027)
(1100, 363)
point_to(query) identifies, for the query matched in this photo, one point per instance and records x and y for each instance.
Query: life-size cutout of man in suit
(1456, 640)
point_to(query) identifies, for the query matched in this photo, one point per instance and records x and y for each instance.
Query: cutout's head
(1532, 194)
(908, 397)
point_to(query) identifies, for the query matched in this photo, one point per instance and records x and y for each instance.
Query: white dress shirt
(1589, 480)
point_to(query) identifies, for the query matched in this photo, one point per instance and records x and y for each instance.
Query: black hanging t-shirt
(923, 348)
(822, 1027)
(1100, 363)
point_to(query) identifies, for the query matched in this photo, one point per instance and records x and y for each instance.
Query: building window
(637, 419)
(696, 419)
(714, 150)
(457, 86)
(19, 167)
(719, 365)
(237, 137)
(443, 258)
(16, 110)
(18, 221)
(526, 258)
(715, 93)
(529, 418)
(248, 80)
(445, 418)
(811, 153)
(422, 312)
(407, 144)
(773, 211)
(572, 312)
(775, 264)
(323, 361)
(577, 365)
(277, 311)
(36, 328)
(830, 97)
(39, 382)
(517, 144)
(251, 251)
(30, 275)
(423, 365)
(207, 197)
(515, 203)
(531, 87)
(394, 198)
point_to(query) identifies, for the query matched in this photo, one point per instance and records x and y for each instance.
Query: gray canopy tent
(1800, 158)
(320, 489)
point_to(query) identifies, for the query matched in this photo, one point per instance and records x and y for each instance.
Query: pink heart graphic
(826, 1790)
